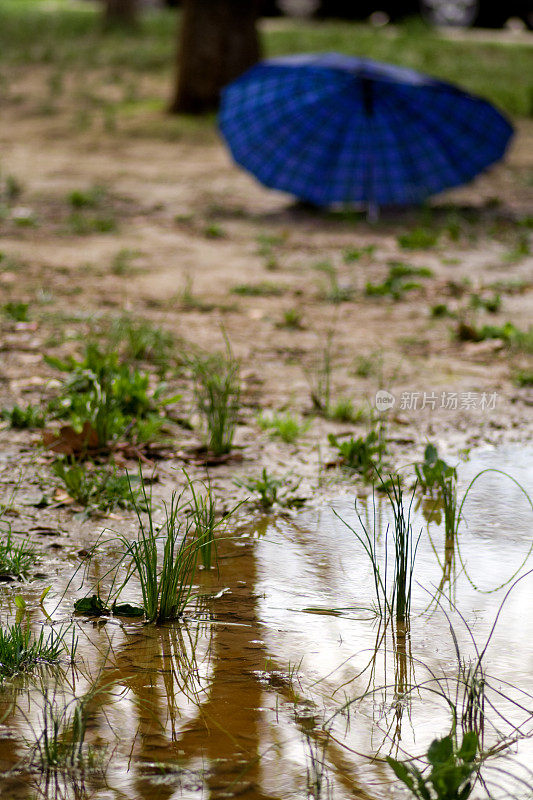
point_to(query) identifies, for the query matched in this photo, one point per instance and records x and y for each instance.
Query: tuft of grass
(268, 488)
(352, 254)
(491, 304)
(98, 489)
(117, 400)
(16, 560)
(508, 332)
(139, 340)
(364, 455)
(122, 263)
(523, 377)
(343, 410)
(86, 198)
(433, 471)
(214, 231)
(203, 513)
(22, 418)
(17, 311)
(395, 284)
(217, 389)
(418, 239)
(22, 652)
(292, 319)
(288, 427)
(335, 292)
(262, 289)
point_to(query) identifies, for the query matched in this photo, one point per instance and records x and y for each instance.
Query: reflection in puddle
(283, 682)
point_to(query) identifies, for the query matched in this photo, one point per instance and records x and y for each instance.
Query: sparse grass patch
(335, 292)
(98, 489)
(21, 652)
(22, 418)
(262, 289)
(272, 491)
(343, 410)
(288, 427)
(123, 262)
(16, 560)
(17, 311)
(292, 319)
(508, 332)
(217, 389)
(139, 340)
(418, 239)
(364, 455)
(395, 284)
(352, 254)
(214, 231)
(523, 377)
(86, 198)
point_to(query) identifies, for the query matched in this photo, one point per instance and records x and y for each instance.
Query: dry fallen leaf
(70, 442)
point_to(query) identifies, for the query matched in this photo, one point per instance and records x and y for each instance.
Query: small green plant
(262, 289)
(491, 304)
(335, 292)
(352, 254)
(343, 410)
(217, 389)
(98, 489)
(139, 340)
(203, 512)
(22, 652)
(21, 418)
(292, 319)
(433, 471)
(452, 772)
(268, 488)
(523, 377)
(266, 249)
(17, 311)
(320, 378)
(364, 455)
(441, 310)
(166, 587)
(288, 427)
(368, 365)
(214, 231)
(395, 284)
(521, 249)
(83, 224)
(418, 239)
(86, 198)
(115, 399)
(508, 333)
(122, 263)
(16, 560)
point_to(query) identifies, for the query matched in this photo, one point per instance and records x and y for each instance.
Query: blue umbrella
(333, 129)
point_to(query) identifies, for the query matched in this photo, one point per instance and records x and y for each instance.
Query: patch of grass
(262, 289)
(342, 410)
(114, 398)
(335, 292)
(288, 427)
(440, 310)
(22, 652)
(352, 254)
(82, 224)
(86, 198)
(22, 418)
(433, 471)
(508, 333)
(122, 263)
(491, 304)
(523, 377)
(521, 249)
(203, 512)
(272, 491)
(418, 239)
(319, 379)
(266, 249)
(366, 366)
(16, 560)
(98, 489)
(190, 301)
(214, 231)
(292, 319)
(395, 284)
(17, 311)
(217, 389)
(139, 340)
(364, 455)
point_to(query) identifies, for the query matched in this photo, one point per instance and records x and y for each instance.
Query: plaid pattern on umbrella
(334, 129)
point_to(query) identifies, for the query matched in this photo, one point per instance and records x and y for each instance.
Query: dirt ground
(195, 226)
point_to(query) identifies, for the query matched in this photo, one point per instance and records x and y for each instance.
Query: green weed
(262, 289)
(21, 418)
(203, 512)
(320, 378)
(395, 284)
(335, 292)
(122, 263)
(440, 310)
(352, 254)
(86, 198)
(98, 489)
(82, 224)
(364, 455)
(288, 427)
(418, 239)
(433, 471)
(366, 366)
(508, 332)
(343, 410)
(292, 319)
(114, 398)
(491, 304)
(272, 491)
(452, 773)
(21, 652)
(214, 231)
(138, 340)
(523, 377)
(217, 389)
(17, 311)
(16, 560)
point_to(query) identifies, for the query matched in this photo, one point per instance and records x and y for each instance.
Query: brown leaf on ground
(70, 442)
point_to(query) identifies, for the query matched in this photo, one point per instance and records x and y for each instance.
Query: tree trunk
(120, 14)
(218, 42)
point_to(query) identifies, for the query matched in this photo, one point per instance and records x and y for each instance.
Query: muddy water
(282, 682)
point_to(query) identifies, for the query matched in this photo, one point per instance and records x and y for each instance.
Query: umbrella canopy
(332, 129)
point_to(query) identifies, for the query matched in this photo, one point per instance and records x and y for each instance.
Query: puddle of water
(282, 683)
